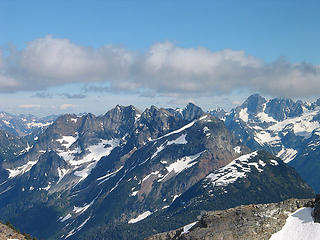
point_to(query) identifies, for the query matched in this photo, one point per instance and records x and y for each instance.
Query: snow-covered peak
(238, 168)
(278, 124)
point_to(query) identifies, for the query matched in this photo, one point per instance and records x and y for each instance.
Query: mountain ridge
(85, 174)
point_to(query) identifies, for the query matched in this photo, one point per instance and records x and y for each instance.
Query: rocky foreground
(9, 233)
(251, 222)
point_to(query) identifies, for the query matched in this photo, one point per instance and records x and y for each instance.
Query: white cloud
(236, 102)
(29, 106)
(165, 69)
(65, 106)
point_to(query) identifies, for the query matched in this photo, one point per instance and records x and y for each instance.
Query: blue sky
(87, 56)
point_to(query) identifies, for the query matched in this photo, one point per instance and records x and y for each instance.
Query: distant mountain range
(288, 129)
(116, 176)
(22, 125)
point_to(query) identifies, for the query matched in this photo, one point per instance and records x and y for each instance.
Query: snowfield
(299, 226)
(267, 131)
(234, 170)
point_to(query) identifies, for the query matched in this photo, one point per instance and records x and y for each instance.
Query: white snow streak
(287, 154)
(140, 217)
(21, 170)
(188, 227)
(149, 175)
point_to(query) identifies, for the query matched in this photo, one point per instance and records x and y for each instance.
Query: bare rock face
(9, 233)
(316, 211)
(251, 222)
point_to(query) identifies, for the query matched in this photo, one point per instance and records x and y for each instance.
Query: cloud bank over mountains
(165, 69)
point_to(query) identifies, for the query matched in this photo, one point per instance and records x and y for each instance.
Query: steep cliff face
(251, 222)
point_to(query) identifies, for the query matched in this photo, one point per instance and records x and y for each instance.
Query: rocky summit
(251, 222)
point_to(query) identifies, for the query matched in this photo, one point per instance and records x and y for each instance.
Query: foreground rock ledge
(251, 222)
(9, 233)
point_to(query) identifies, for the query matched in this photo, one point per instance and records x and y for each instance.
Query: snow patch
(175, 197)
(206, 129)
(179, 140)
(243, 114)
(269, 137)
(38, 125)
(182, 164)
(96, 152)
(189, 125)
(299, 225)
(21, 170)
(234, 170)
(237, 149)
(140, 217)
(67, 141)
(74, 120)
(108, 175)
(287, 154)
(159, 149)
(80, 210)
(186, 228)
(263, 117)
(302, 126)
(134, 193)
(149, 175)
(6, 122)
(61, 172)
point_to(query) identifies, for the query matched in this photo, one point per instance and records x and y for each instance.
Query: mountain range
(116, 176)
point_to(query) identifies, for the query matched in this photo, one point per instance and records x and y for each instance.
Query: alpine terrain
(288, 129)
(118, 175)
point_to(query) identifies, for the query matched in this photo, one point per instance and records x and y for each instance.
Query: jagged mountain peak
(192, 112)
(285, 127)
(124, 108)
(66, 118)
(283, 108)
(278, 108)
(124, 165)
(317, 102)
(122, 112)
(153, 111)
(254, 104)
(218, 112)
(48, 168)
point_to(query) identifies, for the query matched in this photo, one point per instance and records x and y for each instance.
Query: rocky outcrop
(251, 222)
(7, 232)
(316, 211)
